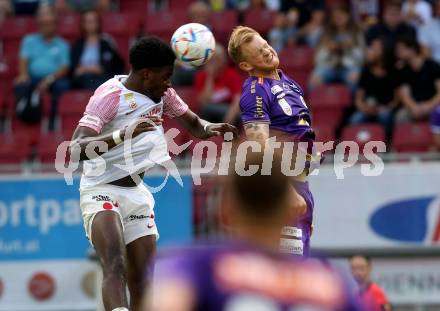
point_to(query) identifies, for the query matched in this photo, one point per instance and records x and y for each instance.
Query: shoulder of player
(254, 86)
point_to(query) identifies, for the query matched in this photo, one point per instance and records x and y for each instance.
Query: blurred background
(369, 69)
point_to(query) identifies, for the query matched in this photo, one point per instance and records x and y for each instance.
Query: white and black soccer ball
(193, 44)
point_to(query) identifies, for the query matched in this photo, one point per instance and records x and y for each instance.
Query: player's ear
(245, 66)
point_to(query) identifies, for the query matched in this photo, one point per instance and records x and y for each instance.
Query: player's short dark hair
(410, 42)
(259, 195)
(151, 52)
(366, 257)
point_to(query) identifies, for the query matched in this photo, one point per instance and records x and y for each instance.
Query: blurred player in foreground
(273, 105)
(125, 115)
(248, 272)
(372, 296)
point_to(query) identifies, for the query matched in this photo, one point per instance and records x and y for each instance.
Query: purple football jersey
(281, 104)
(241, 277)
(435, 120)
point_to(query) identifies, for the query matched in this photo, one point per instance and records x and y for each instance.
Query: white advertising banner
(400, 207)
(405, 281)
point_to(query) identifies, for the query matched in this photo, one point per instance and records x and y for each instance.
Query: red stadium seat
(68, 26)
(324, 133)
(121, 24)
(164, 23)
(260, 20)
(47, 147)
(182, 137)
(138, 6)
(31, 130)
(71, 108)
(189, 96)
(363, 133)
(12, 32)
(179, 5)
(412, 137)
(328, 102)
(297, 58)
(222, 24)
(15, 148)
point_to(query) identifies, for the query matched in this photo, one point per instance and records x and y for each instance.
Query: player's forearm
(92, 147)
(194, 124)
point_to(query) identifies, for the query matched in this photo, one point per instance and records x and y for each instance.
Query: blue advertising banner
(40, 218)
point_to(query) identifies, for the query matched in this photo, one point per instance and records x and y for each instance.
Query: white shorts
(134, 206)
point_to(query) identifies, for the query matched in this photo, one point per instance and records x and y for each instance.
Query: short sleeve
(173, 105)
(101, 109)
(25, 49)
(254, 103)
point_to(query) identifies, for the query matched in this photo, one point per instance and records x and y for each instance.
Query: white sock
(120, 309)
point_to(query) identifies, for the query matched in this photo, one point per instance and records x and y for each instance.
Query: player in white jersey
(128, 110)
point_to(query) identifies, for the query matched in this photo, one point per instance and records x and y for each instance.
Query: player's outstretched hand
(142, 125)
(218, 129)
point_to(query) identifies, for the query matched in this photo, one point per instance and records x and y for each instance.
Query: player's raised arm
(87, 141)
(175, 108)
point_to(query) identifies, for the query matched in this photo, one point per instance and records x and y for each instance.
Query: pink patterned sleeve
(173, 105)
(101, 109)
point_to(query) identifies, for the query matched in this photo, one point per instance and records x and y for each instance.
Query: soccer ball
(193, 44)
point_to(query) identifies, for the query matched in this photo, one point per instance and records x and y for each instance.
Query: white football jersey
(113, 107)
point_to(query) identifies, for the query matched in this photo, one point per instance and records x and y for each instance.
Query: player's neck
(263, 236)
(132, 83)
(273, 74)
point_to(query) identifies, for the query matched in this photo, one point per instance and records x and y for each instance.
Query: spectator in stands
(417, 12)
(284, 30)
(339, 54)
(419, 81)
(429, 37)
(435, 128)
(392, 25)
(25, 7)
(311, 32)
(218, 88)
(375, 98)
(198, 12)
(371, 295)
(94, 58)
(272, 5)
(5, 10)
(81, 5)
(365, 12)
(44, 61)
(303, 7)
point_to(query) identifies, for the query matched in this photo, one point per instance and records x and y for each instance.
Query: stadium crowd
(370, 68)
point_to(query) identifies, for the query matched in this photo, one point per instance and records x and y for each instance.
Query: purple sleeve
(254, 103)
(435, 120)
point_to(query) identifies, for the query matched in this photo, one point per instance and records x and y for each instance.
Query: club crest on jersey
(276, 89)
(129, 98)
(285, 106)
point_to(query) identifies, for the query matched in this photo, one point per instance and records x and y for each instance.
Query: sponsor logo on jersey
(292, 231)
(137, 217)
(259, 107)
(415, 220)
(253, 86)
(285, 106)
(100, 198)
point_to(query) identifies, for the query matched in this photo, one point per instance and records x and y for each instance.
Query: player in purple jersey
(249, 273)
(435, 127)
(273, 105)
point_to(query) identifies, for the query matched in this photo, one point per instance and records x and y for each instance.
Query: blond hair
(240, 35)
